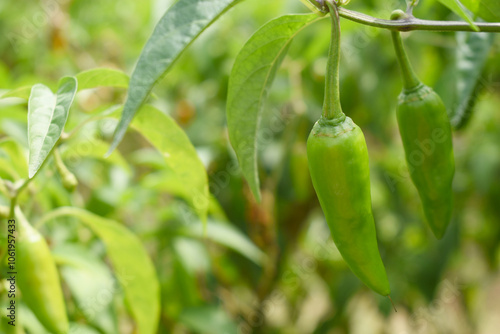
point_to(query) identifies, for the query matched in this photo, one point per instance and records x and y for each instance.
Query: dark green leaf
(251, 78)
(178, 28)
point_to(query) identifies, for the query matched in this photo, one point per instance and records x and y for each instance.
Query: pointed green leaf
(251, 78)
(488, 10)
(47, 115)
(133, 267)
(177, 29)
(180, 155)
(101, 77)
(456, 7)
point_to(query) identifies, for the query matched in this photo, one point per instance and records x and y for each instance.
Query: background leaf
(180, 155)
(228, 236)
(488, 10)
(455, 7)
(132, 265)
(457, 87)
(99, 77)
(178, 28)
(47, 115)
(252, 75)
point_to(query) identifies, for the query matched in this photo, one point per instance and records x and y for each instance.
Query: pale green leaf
(76, 150)
(180, 155)
(176, 30)
(133, 267)
(456, 7)
(88, 279)
(47, 115)
(228, 236)
(251, 78)
(488, 10)
(21, 92)
(102, 77)
(208, 320)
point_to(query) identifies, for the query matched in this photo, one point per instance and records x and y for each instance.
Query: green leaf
(88, 279)
(133, 267)
(251, 78)
(228, 236)
(456, 7)
(100, 77)
(177, 29)
(12, 160)
(488, 10)
(208, 319)
(47, 115)
(21, 92)
(97, 77)
(180, 155)
(76, 150)
(459, 86)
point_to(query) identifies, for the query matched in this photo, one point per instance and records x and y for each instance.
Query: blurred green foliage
(450, 286)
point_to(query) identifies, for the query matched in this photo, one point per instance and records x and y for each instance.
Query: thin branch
(412, 23)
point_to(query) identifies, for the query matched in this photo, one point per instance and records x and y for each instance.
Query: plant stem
(331, 106)
(412, 23)
(410, 79)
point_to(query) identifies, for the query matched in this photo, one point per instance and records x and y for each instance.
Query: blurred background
(217, 285)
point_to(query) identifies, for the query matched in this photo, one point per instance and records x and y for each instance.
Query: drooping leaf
(133, 267)
(228, 236)
(176, 30)
(456, 7)
(488, 10)
(47, 115)
(460, 83)
(180, 155)
(251, 78)
(102, 77)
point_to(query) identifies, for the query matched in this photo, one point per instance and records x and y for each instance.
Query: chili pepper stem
(410, 79)
(332, 109)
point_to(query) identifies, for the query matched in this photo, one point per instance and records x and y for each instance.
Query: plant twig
(411, 23)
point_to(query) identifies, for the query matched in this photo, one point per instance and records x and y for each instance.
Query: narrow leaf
(176, 30)
(133, 267)
(47, 115)
(456, 7)
(102, 77)
(251, 78)
(488, 10)
(180, 155)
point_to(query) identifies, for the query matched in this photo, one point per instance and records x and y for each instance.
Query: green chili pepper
(338, 163)
(37, 278)
(427, 139)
